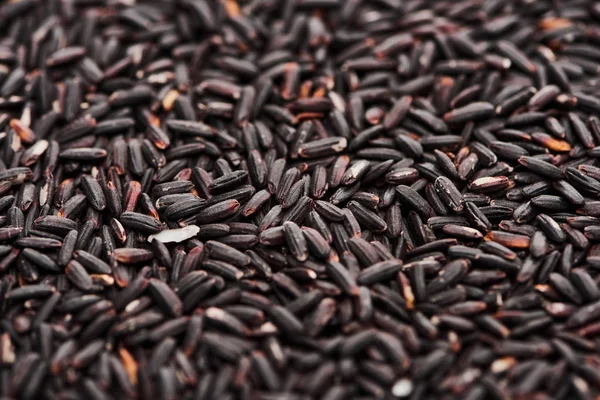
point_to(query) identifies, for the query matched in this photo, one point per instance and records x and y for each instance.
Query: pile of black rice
(299, 199)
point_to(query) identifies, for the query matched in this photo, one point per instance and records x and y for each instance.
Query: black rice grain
(299, 199)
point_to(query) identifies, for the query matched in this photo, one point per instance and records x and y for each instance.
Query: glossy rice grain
(310, 199)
